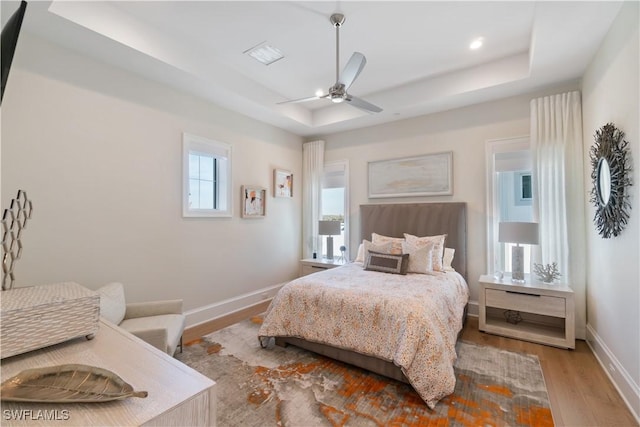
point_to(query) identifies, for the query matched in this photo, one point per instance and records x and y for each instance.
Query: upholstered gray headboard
(420, 219)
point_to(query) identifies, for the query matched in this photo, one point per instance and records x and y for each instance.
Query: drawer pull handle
(522, 293)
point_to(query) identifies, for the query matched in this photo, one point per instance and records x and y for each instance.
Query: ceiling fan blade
(362, 104)
(352, 69)
(294, 101)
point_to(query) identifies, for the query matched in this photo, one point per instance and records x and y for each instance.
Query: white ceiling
(418, 56)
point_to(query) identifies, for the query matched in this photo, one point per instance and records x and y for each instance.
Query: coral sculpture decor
(547, 273)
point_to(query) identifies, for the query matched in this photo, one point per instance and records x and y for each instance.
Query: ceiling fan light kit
(338, 92)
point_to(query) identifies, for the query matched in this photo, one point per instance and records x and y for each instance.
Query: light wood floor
(581, 394)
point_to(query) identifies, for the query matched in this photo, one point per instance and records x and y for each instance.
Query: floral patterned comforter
(412, 320)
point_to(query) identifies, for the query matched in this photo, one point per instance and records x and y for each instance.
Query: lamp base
(329, 247)
(517, 264)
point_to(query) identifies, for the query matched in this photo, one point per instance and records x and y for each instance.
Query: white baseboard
(228, 306)
(472, 309)
(622, 381)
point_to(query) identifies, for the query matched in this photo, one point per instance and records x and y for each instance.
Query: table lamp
(518, 232)
(329, 229)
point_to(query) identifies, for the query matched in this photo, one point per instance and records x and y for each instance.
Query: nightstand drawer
(310, 269)
(530, 303)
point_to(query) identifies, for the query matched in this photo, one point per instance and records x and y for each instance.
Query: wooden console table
(178, 395)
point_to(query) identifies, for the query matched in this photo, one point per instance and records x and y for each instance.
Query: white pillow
(420, 257)
(447, 259)
(360, 255)
(396, 242)
(367, 246)
(112, 303)
(438, 246)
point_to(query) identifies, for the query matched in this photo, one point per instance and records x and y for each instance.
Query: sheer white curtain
(312, 170)
(559, 208)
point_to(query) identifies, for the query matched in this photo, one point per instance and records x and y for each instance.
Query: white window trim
(492, 147)
(216, 148)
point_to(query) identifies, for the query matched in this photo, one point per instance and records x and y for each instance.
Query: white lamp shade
(329, 228)
(518, 232)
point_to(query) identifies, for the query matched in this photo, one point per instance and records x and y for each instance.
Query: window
(206, 177)
(334, 202)
(523, 188)
(509, 197)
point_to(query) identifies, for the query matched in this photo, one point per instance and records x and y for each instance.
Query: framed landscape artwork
(427, 175)
(282, 183)
(254, 201)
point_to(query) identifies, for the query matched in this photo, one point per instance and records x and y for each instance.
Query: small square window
(206, 177)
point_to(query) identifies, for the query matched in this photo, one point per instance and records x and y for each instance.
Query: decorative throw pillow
(360, 254)
(447, 259)
(396, 242)
(112, 303)
(438, 247)
(387, 263)
(367, 246)
(420, 257)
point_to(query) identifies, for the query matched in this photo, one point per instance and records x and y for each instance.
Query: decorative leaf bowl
(67, 384)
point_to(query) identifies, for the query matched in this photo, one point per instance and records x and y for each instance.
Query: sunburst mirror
(610, 168)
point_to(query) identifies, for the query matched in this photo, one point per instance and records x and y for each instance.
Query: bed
(326, 312)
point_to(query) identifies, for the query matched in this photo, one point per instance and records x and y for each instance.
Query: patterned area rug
(294, 387)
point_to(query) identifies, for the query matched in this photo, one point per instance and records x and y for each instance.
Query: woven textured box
(39, 316)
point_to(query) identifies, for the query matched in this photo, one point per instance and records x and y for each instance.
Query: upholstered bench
(159, 323)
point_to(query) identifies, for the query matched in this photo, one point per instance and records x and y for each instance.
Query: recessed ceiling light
(264, 53)
(476, 43)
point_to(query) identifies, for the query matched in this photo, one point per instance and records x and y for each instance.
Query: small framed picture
(254, 200)
(282, 183)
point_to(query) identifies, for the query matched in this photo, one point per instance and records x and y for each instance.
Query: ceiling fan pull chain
(337, 19)
(337, 25)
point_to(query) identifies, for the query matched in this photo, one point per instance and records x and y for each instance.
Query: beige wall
(99, 151)
(611, 94)
(463, 131)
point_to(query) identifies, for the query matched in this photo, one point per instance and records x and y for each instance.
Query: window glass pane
(504, 158)
(206, 194)
(222, 187)
(525, 188)
(194, 166)
(512, 207)
(206, 168)
(194, 194)
(333, 210)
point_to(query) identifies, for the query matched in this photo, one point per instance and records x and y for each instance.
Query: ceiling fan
(338, 92)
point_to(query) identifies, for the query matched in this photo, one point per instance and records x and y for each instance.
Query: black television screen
(10, 34)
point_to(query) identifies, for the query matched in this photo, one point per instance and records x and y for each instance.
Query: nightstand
(530, 311)
(310, 265)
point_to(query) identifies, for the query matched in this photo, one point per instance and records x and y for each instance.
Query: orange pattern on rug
(290, 386)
